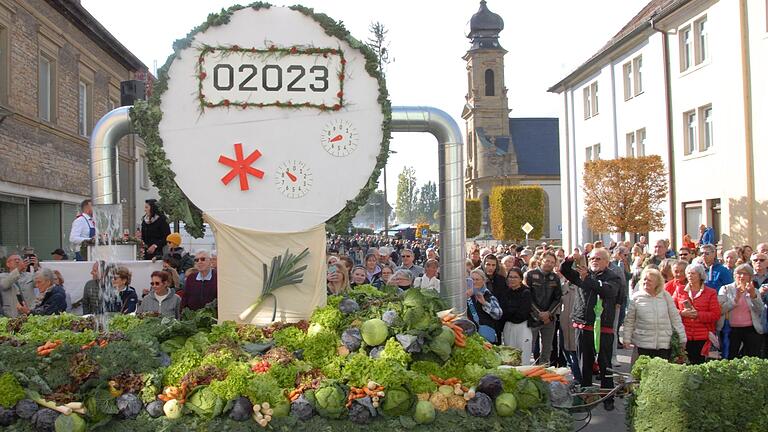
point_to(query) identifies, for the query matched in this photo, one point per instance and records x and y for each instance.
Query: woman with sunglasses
(126, 300)
(161, 298)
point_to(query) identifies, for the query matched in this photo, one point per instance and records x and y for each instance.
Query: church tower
(490, 156)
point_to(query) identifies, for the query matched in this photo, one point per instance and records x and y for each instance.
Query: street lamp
(374, 215)
(386, 203)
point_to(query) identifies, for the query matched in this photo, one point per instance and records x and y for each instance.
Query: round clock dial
(339, 138)
(293, 178)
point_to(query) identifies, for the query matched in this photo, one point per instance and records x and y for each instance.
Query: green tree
(428, 203)
(407, 195)
(379, 44)
(374, 211)
(473, 216)
(512, 207)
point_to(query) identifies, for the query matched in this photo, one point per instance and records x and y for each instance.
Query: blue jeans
(573, 362)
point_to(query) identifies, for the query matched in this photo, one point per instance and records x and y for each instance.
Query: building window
(489, 90)
(699, 130)
(691, 132)
(631, 144)
(715, 215)
(633, 84)
(628, 77)
(590, 100)
(3, 65)
(707, 137)
(638, 63)
(701, 44)
(587, 103)
(593, 152)
(692, 219)
(686, 49)
(640, 143)
(636, 143)
(46, 88)
(143, 172)
(84, 109)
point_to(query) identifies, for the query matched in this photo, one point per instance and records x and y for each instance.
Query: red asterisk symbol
(241, 167)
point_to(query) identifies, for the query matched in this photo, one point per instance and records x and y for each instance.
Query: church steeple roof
(484, 29)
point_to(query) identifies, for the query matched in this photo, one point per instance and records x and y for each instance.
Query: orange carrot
(537, 373)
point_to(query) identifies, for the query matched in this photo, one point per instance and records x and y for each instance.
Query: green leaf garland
(146, 116)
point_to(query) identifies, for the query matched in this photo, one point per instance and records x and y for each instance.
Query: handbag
(486, 331)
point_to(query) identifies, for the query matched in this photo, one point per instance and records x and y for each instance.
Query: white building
(684, 79)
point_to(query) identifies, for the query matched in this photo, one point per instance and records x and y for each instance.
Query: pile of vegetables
(371, 358)
(733, 391)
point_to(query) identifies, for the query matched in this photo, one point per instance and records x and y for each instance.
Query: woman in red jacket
(700, 311)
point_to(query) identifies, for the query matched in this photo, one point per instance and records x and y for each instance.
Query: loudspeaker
(130, 91)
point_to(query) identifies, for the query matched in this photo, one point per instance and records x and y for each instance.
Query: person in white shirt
(83, 230)
(429, 279)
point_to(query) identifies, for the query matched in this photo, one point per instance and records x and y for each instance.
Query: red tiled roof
(651, 9)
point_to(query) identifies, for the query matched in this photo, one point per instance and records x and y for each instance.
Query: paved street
(614, 421)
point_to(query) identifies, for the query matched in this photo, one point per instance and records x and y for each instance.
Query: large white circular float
(270, 123)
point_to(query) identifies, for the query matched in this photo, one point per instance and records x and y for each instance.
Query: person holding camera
(483, 307)
(53, 299)
(18, 287)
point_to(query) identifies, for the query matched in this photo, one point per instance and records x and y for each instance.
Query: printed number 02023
(272, 78)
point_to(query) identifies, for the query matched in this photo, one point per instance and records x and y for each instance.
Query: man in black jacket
(597, 281)
(546, 292)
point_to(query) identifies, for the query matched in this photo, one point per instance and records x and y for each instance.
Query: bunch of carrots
(374, 390)
(545, 375)
(448, 381)
(295, 393)
(178, 393)
(48, 347)
(101, 343)
(461, 339)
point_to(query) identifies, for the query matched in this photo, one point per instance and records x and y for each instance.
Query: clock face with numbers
(293, 179)
(269, 122)
(339, 138)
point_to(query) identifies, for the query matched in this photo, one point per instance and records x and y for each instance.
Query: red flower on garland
(244, 105)
(333, 51)
(340, 94)
(343, 61)
(201, 59)
(325, 55)
(202, 75)
(235, 48)
(253, 50)
(336, 107)
(289, 103)
(225, 102)
(341, 77)
(294, 50)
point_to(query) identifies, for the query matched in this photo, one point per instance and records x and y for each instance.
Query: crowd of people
(186, 281)
(544, 301)
(549, 303)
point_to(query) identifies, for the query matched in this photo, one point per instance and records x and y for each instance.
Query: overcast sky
(545, 40)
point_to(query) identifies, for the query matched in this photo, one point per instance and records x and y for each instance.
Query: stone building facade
(60, 72)
(504, 151)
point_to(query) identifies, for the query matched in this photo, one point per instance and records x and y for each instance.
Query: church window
(489, 90)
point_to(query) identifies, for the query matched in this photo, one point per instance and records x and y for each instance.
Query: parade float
(372, 359)
(250, 123)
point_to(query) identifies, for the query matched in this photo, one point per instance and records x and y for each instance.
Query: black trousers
(585, 349)
(748, 337)
(694, 351)
(660, 353)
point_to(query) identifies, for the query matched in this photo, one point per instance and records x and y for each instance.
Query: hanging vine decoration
(273, 50)
(146, 116)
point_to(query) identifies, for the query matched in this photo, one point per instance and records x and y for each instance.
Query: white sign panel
(258, 134)
(527, 228)
(247, 77)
